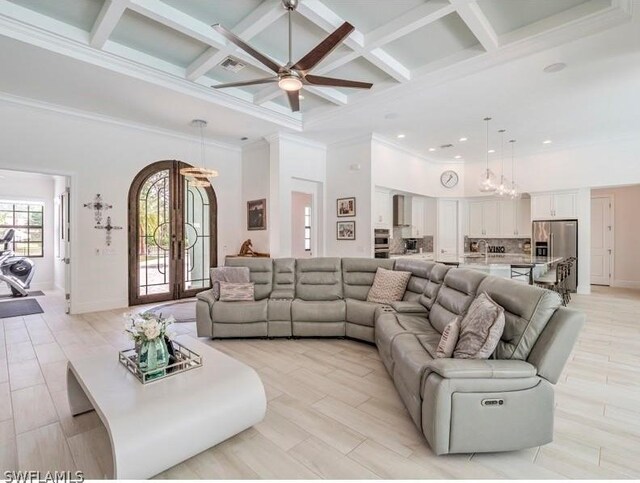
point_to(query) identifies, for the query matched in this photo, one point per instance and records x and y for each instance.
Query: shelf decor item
(346, 207)
(148, 331)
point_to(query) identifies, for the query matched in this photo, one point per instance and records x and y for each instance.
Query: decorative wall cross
(98, 206)
(109, 228)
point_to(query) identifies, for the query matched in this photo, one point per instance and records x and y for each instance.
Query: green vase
(153, 358)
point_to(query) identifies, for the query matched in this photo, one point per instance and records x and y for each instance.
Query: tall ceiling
(132, 53)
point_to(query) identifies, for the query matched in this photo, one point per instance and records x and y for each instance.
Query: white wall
(293, 160)
(22, 186)
(103, 156)
(344, 181)
(255, 186)
(626, 230)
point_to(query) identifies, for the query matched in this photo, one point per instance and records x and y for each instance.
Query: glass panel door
(196, 243)
(154, 236)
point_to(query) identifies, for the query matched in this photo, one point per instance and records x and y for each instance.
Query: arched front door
(172, 234)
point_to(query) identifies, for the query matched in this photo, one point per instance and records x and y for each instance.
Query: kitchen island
(499, 264)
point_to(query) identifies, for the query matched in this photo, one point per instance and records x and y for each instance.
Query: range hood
(401, 216)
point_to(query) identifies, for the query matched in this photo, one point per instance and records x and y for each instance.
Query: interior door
(172, 235)
(448, 227)
(600, 241)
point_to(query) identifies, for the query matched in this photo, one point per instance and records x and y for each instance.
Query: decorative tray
(181, 360)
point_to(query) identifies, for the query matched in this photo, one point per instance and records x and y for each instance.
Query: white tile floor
(333, 411)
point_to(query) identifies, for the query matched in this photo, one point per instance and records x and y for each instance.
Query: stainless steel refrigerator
(558, 239)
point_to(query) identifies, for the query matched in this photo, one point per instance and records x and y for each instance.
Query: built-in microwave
(381, 240)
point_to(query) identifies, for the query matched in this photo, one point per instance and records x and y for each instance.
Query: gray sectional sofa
(461, 405)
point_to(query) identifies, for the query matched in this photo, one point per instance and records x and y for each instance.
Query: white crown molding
(292, 138)
(74, 43)
(392, 144)
(77, 113)
(360, 139)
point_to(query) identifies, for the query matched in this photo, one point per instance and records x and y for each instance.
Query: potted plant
(149, 332)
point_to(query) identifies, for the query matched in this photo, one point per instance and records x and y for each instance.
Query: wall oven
(381, 240)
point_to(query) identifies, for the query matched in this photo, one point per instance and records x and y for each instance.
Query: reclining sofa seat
(504, 403)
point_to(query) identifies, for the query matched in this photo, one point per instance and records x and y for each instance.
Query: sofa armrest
(206, 296)
(481, 368)
(405, 307)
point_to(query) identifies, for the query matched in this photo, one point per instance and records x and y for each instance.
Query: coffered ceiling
(401, 45)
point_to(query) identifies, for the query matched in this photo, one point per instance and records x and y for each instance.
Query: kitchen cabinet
(484, 218)
(494, 218)
(417, 217)
(383, 205)
(549, 206)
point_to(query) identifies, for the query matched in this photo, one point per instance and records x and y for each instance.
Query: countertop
(495, 259)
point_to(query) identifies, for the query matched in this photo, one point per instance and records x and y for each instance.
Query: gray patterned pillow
(228, 274)
(388, 286)
(236, 292)
(449, 339)
(480, 330)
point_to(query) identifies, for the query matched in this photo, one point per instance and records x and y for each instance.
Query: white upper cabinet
(383, 209)
(499, 218)
(547, 206)
(417, 217)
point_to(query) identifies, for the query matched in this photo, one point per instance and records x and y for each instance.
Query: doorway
(302, 225)
(601, 240)
(172, 234)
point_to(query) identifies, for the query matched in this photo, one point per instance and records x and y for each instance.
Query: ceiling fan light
(290, 83)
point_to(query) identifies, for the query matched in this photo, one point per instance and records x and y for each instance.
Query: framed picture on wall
(257, 215)
(346, 207)
(346, 230)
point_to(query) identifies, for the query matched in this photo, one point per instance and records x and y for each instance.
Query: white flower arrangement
(143, 327)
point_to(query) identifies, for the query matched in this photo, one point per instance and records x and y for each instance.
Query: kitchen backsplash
(397, 242)
(511, 245)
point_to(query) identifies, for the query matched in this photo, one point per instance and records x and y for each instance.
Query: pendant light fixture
(503, 188)
(513, 189)
(199, 176)
(488, 179)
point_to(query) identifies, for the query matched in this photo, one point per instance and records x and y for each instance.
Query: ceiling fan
(291, 77)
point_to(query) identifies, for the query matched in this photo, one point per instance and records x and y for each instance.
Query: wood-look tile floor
(332, 409)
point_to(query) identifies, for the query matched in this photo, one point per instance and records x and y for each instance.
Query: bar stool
(555, 280)
(521, 270)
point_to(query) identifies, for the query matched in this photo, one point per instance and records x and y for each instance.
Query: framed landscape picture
(257, 215)
(346, 207)
(346, 230)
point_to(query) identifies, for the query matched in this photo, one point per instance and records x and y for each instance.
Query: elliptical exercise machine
(17, 272)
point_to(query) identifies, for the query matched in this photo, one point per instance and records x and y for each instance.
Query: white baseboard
(626, 283)
(98, 305)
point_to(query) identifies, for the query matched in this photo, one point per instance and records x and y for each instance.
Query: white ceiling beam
(266, 94)
(327, 65)
(472, 15)
(106, 22)
(329, 93)
(328, 20)
(407, 23)
(250, 26)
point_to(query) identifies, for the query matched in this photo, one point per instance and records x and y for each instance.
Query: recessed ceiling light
(547, 141)
(491, 151)
(462, 140)
(457, 156)
(401, 136)
(432, 149)
(301, 97)
(557, 67)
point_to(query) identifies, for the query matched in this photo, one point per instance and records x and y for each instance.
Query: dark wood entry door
(172, 235)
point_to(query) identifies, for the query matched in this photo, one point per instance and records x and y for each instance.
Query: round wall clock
(449, 179)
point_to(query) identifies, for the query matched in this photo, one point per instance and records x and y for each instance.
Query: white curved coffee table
(155, 426)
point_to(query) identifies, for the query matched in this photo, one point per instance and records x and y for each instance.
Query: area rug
(35, 293)
(182, 311)
(18, 308)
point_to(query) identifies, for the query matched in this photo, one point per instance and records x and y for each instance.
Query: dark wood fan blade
(265, 80)
(318, 80)
(294, 100)
(247, 48)
(324, 48)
